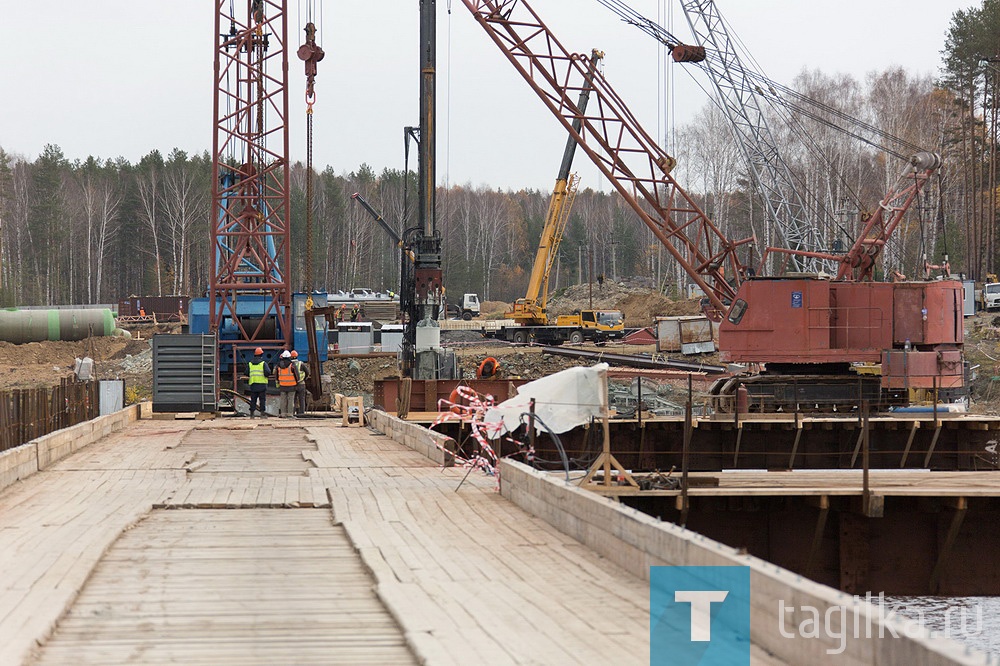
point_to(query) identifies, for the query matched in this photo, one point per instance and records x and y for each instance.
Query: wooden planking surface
(229, 587)
(468, 577)
(472, 578)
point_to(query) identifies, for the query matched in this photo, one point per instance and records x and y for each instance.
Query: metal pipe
(20, 326)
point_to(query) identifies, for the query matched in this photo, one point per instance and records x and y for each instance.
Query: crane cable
(311, 53)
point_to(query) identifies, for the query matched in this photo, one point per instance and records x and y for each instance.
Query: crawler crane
(810, 334)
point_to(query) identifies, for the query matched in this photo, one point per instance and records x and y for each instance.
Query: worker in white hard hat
(286, 376)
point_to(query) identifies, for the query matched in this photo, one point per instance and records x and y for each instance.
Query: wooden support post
(685, 453)
(798, 436)
(606, 461)
(857, 445)
(866, 491)
(430, 395)
(961, 506)
(403, 401)
(823, 504)
(937, 428)
(638, 401)
(930, 449)
(909, 443)
(531, 425)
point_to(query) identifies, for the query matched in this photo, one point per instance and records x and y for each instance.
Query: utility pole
(590, 276)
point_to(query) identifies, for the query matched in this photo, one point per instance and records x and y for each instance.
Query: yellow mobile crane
(530, 312)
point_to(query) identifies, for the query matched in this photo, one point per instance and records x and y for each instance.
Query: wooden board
(229, 587)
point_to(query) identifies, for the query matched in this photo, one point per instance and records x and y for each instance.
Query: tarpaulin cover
(563, 401)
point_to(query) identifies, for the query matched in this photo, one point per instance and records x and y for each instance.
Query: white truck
(467, 309)
(989, 297)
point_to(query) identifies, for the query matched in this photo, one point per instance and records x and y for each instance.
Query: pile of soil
(493, 309)
(639, 304)
(36, 364)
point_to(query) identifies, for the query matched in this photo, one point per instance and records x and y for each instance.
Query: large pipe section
(19, 326)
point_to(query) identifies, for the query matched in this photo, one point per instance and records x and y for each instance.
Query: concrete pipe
(19, 326)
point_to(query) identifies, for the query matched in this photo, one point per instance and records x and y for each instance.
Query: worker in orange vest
(286, 376)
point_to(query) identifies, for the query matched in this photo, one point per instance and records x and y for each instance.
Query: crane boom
(531, 310)
(620, 148)
(736, 97)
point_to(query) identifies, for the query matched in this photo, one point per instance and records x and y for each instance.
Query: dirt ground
(639, 304)
(36, 364)
(39, 364)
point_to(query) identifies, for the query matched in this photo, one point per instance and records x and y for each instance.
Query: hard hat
(258, 352)
(295, 354)
(285, 354)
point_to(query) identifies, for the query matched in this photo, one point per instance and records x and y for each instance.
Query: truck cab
(989, 297)
(467, 309)
(606, 321)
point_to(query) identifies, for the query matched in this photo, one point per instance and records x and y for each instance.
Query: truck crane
(531, 310)
(529, 313)
(810, 334)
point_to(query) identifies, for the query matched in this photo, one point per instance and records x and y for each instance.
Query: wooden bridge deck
(268, 542)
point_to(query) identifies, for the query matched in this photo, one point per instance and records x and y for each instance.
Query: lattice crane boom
(250, 179)
(617, 144)
(738, 100)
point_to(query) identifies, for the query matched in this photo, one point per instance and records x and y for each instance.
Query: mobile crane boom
(531, 310)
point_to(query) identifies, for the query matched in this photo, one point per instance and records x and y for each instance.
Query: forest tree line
(97, 230)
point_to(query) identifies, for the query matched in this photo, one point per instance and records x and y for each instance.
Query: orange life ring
(488, 368)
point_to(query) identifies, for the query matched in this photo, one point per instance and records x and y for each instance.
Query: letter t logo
(701, 610)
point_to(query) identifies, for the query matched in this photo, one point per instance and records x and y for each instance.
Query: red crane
(620, 148)
(811, 334)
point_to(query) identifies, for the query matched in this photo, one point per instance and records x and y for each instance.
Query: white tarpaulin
(563, 401)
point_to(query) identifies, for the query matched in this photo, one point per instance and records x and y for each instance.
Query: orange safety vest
(286, 376)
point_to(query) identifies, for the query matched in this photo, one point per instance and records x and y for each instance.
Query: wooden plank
(306, 604)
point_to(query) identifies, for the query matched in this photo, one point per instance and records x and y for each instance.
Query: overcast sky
(122, 77)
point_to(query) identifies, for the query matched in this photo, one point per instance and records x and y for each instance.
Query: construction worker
(355, 312)
(286, 376)
(257, 372)
(300, 388)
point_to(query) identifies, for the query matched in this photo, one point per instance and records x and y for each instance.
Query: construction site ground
(39, 364)
(42, 364)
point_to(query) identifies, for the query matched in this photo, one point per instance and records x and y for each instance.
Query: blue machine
(250, 309)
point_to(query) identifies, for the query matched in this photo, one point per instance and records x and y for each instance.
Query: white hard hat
(286, 354)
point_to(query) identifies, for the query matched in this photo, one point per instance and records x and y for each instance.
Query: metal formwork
(184, 373)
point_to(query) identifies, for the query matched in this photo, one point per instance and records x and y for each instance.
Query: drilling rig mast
(250, 179)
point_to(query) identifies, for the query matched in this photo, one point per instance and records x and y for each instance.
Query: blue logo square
(699, 616)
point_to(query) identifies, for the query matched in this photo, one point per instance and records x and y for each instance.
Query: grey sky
(112, 78)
